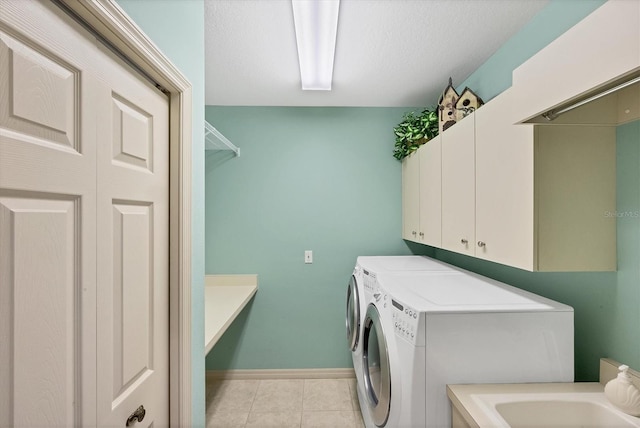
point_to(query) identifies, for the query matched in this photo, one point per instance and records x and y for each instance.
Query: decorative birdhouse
(447, 107)
(467, 103)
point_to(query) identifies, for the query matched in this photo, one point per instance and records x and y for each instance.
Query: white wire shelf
(214, 140)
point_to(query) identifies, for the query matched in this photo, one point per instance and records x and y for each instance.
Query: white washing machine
(363, 286)
(427, 330)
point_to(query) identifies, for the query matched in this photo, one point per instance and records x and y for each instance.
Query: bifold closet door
(133, 248)
(47, 232)
(83, 173)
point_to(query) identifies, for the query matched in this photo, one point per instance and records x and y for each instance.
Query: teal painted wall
(177, 28)
(320, 179)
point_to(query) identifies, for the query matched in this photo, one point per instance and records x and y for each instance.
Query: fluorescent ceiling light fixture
(316, 23)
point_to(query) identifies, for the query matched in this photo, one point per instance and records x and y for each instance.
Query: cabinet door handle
(422, 234)
(413, 233)
(464, 241)
(481, 244)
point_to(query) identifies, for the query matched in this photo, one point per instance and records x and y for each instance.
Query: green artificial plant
(414, 131)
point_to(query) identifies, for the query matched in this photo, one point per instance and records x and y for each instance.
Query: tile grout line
(253, 400)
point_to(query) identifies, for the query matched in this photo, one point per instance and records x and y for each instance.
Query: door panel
(133, 250)
(42, 95)
(39, 303)
(83, 173)
(47, 233)
(132, 135)
(133, 297)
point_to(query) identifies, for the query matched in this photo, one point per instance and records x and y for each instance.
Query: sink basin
(559, 414)
(554, 410)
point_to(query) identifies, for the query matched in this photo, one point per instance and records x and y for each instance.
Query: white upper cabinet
(540, 198)
(421, 194)
(524, 191)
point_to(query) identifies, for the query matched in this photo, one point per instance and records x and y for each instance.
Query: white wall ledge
(224, 298)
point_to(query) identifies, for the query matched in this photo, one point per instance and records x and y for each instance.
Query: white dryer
(363, 287)
(431, 329)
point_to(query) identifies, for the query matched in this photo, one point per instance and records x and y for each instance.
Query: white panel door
(47, 236)
(133, 249)
(83, 174)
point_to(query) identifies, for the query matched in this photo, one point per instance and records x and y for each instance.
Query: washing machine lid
(402, 264)
(462, 292)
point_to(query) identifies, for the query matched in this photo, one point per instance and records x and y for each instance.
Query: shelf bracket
(214, 140)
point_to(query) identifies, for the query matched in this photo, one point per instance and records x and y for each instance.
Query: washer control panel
(405, 321)
(370, 281)
(372, 288)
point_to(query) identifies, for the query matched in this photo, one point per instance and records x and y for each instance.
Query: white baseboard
(282, 374)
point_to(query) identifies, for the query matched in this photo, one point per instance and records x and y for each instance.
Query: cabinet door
(458, 187)
(411, 197)
(431, 193)
(504, 186)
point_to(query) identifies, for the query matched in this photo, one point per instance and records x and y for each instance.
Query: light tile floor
(299, 403)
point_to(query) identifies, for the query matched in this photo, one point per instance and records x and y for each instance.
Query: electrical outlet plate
(308, 256)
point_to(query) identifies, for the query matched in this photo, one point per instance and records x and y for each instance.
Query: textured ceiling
(388, 52)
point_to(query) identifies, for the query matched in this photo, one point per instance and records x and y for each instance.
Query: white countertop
(224, 298)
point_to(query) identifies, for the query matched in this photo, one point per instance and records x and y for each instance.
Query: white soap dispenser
(622, 393)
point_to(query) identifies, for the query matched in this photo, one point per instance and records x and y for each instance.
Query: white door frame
(110, 23)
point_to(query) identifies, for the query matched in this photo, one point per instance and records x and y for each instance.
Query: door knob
(464, 241)
(481, 244)
(137, 415)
